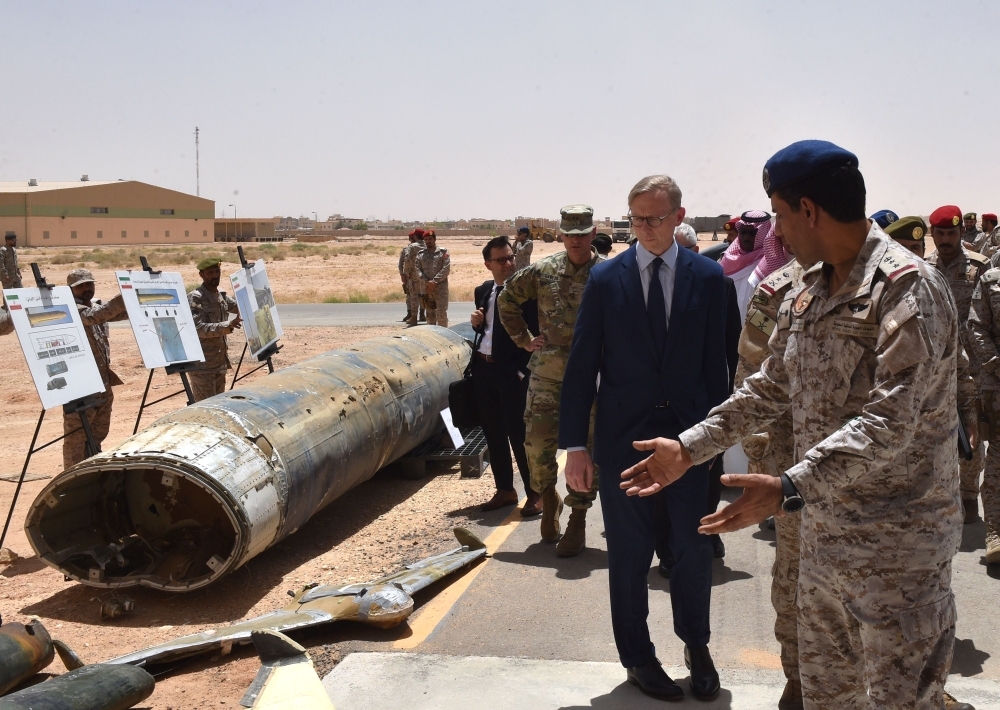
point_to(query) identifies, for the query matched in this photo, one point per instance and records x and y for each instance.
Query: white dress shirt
(486, 344)
(668, 271)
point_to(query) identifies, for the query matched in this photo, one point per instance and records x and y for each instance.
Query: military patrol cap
(884, 218)
(79, 276)
(946, 217)
(907, 228)
(802, 160)
(969, 215)
(208, 263)
(576, 219)
(989, 217)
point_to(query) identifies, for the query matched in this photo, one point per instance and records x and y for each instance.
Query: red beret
(946, 217)
(417, 233)
(989, 217)
(731, 224)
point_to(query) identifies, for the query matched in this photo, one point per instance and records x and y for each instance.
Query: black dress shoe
(654, 681)
(718, 547)
(704, 677)
(666, 566)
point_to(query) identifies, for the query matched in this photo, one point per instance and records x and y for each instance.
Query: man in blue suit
(652, 325)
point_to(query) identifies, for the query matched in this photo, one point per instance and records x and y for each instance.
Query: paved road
(526, 603)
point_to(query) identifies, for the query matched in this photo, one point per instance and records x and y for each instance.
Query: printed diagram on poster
(160, 316)
(55, 344)
(253, 295)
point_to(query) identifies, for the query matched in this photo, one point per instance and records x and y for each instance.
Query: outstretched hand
(760, 500)
(668, 462)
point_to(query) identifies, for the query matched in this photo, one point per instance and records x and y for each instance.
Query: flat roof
(23, 186)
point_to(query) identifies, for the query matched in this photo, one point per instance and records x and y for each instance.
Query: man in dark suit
(500, 380)
(653, 326)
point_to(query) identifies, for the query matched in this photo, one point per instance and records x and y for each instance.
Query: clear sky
(433, 110)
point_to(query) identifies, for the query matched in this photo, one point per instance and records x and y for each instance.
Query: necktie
(656, 309)
(496, 310)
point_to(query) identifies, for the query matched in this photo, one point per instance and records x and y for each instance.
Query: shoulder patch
(896, 265)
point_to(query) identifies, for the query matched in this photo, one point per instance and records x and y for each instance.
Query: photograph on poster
(54, 344)
(255, 300)
(160, 317)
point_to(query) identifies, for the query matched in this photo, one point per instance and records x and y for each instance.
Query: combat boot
(552, 507)
(992, 546)
(951, 704)
(971, 507)
(575, 539)
(791, 698)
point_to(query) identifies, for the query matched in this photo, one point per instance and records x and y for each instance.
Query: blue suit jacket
(613, 338)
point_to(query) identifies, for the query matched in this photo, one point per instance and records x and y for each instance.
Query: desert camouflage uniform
(558, 286)
(772, 452)
(10, 273)
(414, 286)
(211, 319)
(522, 255)
(963, 275)
(434, 267)
(991, 244)
(95, 317)
(984, 327)
(975, 238)
(870, 376)
(6, 324)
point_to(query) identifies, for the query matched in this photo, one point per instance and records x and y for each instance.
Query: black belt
(487, 358)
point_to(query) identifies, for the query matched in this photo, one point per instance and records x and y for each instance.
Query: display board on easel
(255, 301)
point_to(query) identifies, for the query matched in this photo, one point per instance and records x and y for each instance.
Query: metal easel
(77, 406)
(178, 368)
(264, 355)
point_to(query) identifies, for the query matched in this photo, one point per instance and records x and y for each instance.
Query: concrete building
(246, 230)
(93, 213)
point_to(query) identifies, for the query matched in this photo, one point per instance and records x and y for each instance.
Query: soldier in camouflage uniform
(962, 268)
(991, 236)
(411, 284)
(984, 327)
(10, 274)
(95, 316)
(432, 267)
(211, 308)
(523, 248)
(6, 324)
(972, 235)
(771, 452)
(557, 283)
(864, 354)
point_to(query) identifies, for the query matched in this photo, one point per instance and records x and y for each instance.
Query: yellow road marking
(423, 623)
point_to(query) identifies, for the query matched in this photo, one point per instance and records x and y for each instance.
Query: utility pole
(197, 165)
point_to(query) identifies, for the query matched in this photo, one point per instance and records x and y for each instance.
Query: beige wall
(100, 231)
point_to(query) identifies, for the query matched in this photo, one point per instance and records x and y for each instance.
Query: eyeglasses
(504, 260)
(653, 222)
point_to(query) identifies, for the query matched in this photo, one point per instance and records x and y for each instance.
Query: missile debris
(207, 488)
(384, 603)
(24, 651)
(286, 678)
(96, 687)
(117, 606)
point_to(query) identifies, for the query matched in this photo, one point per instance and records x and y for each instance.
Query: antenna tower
(197, 165)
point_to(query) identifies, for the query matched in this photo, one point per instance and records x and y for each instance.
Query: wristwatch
(791, 500)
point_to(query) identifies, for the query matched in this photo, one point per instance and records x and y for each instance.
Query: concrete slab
(417, 681)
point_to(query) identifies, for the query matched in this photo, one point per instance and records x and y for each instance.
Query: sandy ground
(363, 270)
(374, 529)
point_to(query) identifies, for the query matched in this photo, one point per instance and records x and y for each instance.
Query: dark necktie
(656, 309)
(496, 310)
